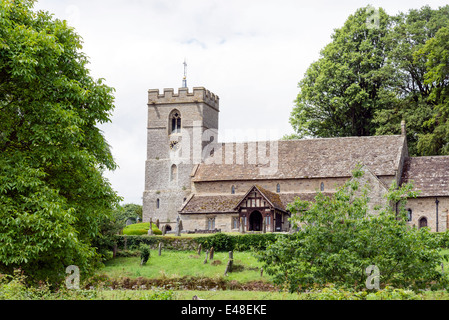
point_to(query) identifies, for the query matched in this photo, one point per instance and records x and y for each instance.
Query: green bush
(141, 229)
(158, 295)
(223, 242)
(144, 254)
(333, 293)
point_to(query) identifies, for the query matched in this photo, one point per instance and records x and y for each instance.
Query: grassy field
(177, 264)
(173, 264)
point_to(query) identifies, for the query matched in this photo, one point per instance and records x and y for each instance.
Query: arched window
(278, 188)
(158, 203)
(409, 215)
(422, 222)
(233, 190)
(174, 173)
(175, 121)
(322, 186)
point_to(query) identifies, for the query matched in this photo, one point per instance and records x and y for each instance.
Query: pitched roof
(229, 203)
(211, 203)
(309, 158)
(273, 198)
(428, 174)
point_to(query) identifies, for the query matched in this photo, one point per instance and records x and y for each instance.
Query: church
(209, 186)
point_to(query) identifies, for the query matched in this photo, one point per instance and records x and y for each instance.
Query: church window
(158, 203)
(409, 215)
(175, 122)
(322, 186)
(278, 188)
(174, 173)
(233, 190)
(211, 223)
(235, 223)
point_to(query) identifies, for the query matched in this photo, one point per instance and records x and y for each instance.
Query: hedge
(220, 241)
(141, 229)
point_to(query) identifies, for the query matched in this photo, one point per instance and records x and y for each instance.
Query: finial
(184, 79)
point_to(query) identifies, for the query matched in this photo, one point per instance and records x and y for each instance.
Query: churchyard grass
(174, 264)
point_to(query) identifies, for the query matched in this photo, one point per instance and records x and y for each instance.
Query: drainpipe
(436, 203)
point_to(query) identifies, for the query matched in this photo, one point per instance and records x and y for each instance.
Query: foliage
(141, 229)
(341, 92)
(369, 79)
(144, 254)
(158, 295)
(129, 210)
(224, 242)
(340, 239)
(53, 197)
(332, 293)
(15, 287)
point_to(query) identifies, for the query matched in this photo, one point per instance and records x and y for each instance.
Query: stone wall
(223, 221)
(287, 185)
(377, 191)
(199, 112)
(425, 207)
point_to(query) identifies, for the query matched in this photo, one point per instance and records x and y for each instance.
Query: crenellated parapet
(199, 95)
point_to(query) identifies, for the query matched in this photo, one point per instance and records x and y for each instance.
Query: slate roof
(428, 174)
(211, 204)
(309, 158)
(228, 203)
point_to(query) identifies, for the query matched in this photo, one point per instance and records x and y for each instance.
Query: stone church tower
(180, 125)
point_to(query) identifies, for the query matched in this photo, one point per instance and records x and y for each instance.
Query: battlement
(199, 94)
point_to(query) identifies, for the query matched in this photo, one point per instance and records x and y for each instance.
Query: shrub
(141, 229)
(340, 239)
(158, 295)
(144, 254)
(223, 242)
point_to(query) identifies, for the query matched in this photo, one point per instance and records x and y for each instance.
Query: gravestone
(231, 260)
(163, 230)
(199, 249)
(228, 268)
(150, 231)
(205, 259)
(157, 223)
(178, 227)
(211, 253)
(160, 248)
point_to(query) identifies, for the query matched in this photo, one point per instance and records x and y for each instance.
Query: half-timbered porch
(260, 208)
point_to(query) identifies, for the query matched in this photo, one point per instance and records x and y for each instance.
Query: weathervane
(184, 80)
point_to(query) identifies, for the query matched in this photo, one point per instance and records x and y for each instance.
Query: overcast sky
(251, 53)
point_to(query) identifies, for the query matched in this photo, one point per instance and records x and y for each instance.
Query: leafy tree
(436, 54)
(414, 92)
(368, 80)
(340, 239)
(53, 197)
(340, 92)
